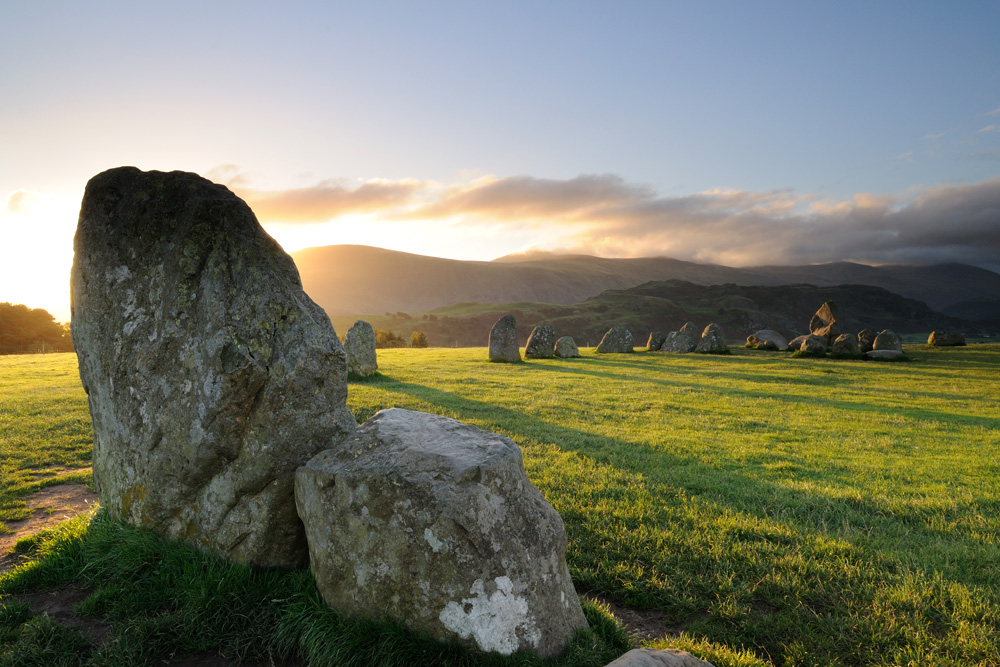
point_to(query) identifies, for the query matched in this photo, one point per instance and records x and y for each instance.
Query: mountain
(361, 280)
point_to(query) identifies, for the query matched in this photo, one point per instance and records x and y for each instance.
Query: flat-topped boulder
(541, 343)
(434, 523)
(209, 373)
(618, 339)
(503, 341)
(359, 344)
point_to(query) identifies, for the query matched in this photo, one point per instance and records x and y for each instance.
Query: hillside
(667, 305)
(361, 280)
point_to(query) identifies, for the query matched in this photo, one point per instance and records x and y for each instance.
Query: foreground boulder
(359, 344)
(617, 340)
(541, 343)
(946, 339)
(566, 348)
(655, 341)
(888, 340)
(648, 657)
(210, 375)
(503, 340)
(866, 340)
(767, 339)
(712, 340)
(435, 523)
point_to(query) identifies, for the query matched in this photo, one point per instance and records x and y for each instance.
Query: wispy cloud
(990, 128)
(933, 137)
(995, 112)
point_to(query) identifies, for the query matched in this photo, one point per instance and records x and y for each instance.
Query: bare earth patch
(49, 506)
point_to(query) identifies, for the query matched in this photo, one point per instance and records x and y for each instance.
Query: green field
(768, 510)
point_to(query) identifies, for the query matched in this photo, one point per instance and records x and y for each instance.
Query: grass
(772, 510)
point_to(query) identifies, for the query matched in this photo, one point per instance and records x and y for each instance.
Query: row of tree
(21, 327)
(386, 338)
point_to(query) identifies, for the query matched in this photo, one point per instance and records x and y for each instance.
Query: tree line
(386, 338)
(21, 327)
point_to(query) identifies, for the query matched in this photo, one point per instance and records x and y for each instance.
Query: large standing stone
(866, 340)
(503, 340)
(617, 339)
(712, 340)
(434, 522)
(210, 375)
(678, 341)
(767, 339)
(541, 343)
(946, 339)
(824, 322)
(566, 348)
(359, 344)
(888, 340)
(655, 341)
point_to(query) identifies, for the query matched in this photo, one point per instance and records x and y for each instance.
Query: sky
(727, 132)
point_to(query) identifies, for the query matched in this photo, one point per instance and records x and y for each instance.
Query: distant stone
(503, 340)
(618, 339)
(887, 340)
(541, 342)
(824, 322)
(866, 340)
(796, 343)
(767, 339)
(566, 348)
(813, 345)
(359, 343)
(884, 354)
(946, 339)
(845, 345)
(210, 375)
(678, 341)
(712, 340)
(655, 341)
(668, 657)
(434, 523)
(691, 329)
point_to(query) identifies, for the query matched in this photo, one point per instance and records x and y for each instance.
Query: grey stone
(655, 341)
(566, 348)
(796, 343)
(946, 339)
(887, 340)
(647, 657)
(618, 339)
(712, 340)
(541, 343)
(767, 339)
(845, 345)
(359, 344)
(678, 341)
(866, 340)
(503, 340)
(210, 375)
(436, 524)
(884, 354)
(691, 329)
(813, 344)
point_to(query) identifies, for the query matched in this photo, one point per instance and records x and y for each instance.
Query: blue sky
(471, 130)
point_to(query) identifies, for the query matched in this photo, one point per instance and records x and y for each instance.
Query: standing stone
(946, 339)
(767, 339)
(813, 345)
(678, 341)
(359, 344)
(210, 375)
(655, 341)
(846, 345)
(866, 340)
(691, 329)
(436, 524)
(503, 340)
(888, 340)
(618, 339)
(566, 348)
(824, 322)
(541, 343)
(712, 340)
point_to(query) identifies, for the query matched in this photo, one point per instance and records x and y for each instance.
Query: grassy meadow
(766, 510)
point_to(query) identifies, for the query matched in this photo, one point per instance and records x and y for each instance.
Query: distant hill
(667, 305)
(361, 280)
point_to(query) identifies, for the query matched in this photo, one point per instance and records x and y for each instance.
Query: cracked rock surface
(210, 375)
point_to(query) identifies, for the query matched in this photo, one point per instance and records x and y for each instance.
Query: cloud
(995, 112)
(933, 137)
(989, 128)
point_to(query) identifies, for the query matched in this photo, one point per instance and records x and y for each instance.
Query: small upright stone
(946, 339)
(813, 345)
(210, 375)
(712, 340)
(618, 339)
(359, 343)
(678, 341)
(845, 345)
(655, 341)
(691, 329)
(888, 340)
(503, 341)
(541, 343)
(866, 340)
(566, 348)
(767, 339)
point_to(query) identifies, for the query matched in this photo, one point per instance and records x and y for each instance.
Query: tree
(21, 326)
(418, 339)
(386, 338)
